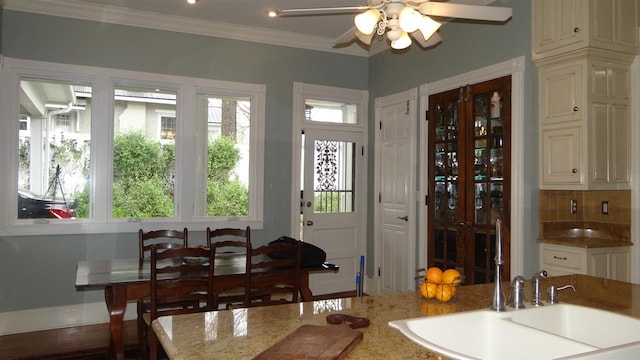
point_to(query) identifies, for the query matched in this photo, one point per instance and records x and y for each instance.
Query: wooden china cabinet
(469, 161)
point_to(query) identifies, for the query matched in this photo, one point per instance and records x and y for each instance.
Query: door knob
(309, 223)
(405, 218)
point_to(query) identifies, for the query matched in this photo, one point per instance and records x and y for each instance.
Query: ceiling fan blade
(433, 40)
(326, 10)
(346, 37)
(354, 33)
(366, 39)
(463, 11)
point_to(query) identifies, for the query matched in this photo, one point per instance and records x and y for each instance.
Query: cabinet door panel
(599, 141)
(562, 156)
(620, 148)
(557, 23)
(619, 266)
(562, 90)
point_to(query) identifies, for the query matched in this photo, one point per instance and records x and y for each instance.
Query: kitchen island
(245, 333)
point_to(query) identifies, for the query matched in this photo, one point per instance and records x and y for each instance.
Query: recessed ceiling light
(191, 2)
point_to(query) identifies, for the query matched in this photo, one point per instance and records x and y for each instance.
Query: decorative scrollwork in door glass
(334, 176)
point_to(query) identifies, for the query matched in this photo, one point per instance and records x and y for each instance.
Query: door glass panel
(333, 184)
(54, 140)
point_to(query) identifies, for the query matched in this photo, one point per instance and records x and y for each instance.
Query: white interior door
(396, 171)
(331, 204)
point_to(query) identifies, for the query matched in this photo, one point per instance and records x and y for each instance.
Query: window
(182, 151)
(167, 128)
(226, 121)
(143, 165)
(331, 112)
(53, 158)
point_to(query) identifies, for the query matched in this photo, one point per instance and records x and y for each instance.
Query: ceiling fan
(402, 18)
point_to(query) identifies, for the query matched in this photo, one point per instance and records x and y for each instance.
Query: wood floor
(89, 342)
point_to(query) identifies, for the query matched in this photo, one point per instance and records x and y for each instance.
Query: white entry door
(396, 206)
(332, 214)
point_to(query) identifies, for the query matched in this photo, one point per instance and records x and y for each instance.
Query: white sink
(559, 331)
(595, 327)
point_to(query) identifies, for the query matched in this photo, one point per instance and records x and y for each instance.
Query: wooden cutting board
(314, 342)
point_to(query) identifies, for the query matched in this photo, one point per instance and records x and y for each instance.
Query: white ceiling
(213, 17)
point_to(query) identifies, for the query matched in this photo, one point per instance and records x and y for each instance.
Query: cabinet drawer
(562, 258)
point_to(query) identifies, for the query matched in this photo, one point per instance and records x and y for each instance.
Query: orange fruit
(423, 290)
(451, 277)
(431, 290)
(428, 290)
(434, 275)
(444, 292)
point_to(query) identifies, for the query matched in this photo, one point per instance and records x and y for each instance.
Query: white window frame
(103, 82)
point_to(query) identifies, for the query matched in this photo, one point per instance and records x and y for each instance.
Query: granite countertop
(585, 234)
(244, 333)
(585, 242)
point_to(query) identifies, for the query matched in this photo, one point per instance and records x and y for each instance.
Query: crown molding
(118, 15)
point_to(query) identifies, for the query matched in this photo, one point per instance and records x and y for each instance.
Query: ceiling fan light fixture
(403, 42)
(410, 19)
(428, 27)
(394, 34)
(367, 21)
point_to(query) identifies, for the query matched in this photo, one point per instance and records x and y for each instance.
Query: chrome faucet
(537, 288)
(499, 301)
(516, 300)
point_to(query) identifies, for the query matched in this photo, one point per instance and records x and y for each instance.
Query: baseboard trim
(56, 317)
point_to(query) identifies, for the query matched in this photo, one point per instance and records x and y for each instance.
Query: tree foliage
(226, 195)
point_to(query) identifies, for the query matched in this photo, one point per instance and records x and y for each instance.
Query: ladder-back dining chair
(232, 256)
(228, 234)
(162, 239)
(275, 273)
(181, 279)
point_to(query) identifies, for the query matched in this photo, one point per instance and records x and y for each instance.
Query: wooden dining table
(125, 280)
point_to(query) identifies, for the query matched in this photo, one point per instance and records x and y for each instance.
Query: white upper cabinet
(561, 26)
(583, 50)
(584, 122)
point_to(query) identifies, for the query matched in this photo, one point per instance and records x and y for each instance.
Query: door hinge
(380, 125)
(407, 111)
(379, 272)
(362, 150)
(426, 115)
(426, 200)
(379, 197)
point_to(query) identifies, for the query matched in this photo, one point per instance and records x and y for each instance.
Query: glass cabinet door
(445, 182)
(469, 184)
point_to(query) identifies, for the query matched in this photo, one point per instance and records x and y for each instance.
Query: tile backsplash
(555, 206)
(557, 220)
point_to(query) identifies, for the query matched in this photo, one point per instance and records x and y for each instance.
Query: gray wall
(39, 271)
